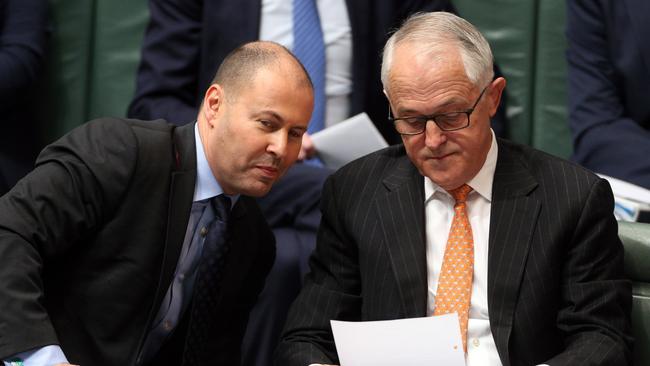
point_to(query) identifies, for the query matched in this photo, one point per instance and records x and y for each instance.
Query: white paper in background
(628, 190)
(433, 340)
(629, 199)
(348, 140)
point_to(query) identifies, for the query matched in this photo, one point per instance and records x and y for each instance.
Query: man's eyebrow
(271, 113)
(275, 116)
(450, 101)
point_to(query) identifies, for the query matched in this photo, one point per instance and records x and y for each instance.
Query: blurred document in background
(348, 140)
(631, 202)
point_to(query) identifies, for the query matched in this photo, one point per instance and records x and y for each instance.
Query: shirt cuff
(48, 355)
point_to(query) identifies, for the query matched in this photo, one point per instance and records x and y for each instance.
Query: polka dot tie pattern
(204, 320)
(455, 283)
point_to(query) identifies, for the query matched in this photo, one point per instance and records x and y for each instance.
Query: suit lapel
(513, 218)
(181, 189)
(401, 216)
(638, 11)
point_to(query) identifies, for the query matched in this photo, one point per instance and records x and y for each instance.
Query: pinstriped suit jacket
(556, 290)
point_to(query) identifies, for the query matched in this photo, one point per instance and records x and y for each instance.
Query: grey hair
(429, 31)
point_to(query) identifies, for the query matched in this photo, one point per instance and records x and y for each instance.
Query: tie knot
(460, 193)
(221, 205)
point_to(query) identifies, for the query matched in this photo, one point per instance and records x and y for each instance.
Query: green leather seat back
(636, 239)
(550, 130)
(92, 61)
(119, 29)
(527, 38)
(69, 58)
(508, 27)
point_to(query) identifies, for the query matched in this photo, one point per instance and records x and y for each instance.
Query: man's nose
(277, 145)
(434, 136)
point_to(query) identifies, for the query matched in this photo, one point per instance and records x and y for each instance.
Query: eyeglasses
(451, 121)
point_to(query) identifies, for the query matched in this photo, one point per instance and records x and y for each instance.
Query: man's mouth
(268, 171)
(440, 156)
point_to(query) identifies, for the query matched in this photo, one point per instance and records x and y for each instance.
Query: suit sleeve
(167, 80)
(331, 291)
(77, 183)
(605, 139)
(594, 314)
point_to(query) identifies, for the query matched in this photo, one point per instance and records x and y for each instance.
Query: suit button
(476, 342)
(204, 231)
(167, 325)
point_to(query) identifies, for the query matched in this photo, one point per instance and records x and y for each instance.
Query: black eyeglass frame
(467, 112)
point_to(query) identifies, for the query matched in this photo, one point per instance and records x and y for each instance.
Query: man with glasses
(521, 245)
(450, 121)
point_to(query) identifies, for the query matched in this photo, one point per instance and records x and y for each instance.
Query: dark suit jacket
(89, 242)
(187, 40)
(609, 84)
(556, 291)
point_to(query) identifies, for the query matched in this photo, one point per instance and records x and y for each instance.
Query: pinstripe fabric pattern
(556, 292)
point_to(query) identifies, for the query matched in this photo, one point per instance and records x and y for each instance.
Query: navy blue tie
(309, 48)
(208, 285)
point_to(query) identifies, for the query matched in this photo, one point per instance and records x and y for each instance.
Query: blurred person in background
(609, 84)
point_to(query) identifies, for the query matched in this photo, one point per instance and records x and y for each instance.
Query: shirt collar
(482, 181)
(206, 185)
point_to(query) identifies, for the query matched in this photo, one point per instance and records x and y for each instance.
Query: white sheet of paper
(628, 190)
(433, 340)
(348, 140)
(630, 200)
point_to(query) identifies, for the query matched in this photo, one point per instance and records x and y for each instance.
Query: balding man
(521, 244)
(138, 243)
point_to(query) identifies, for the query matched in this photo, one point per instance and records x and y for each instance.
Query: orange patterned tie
(455, 283)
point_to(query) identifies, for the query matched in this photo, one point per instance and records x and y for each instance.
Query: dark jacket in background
(23, 35)
(609, 86)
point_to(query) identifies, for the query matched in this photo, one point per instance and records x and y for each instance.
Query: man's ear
(494, 94)
(212, 103)
(387, 97)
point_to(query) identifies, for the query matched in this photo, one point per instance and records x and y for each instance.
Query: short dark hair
(240, 66)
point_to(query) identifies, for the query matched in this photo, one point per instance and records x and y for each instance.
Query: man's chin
(258, 189)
